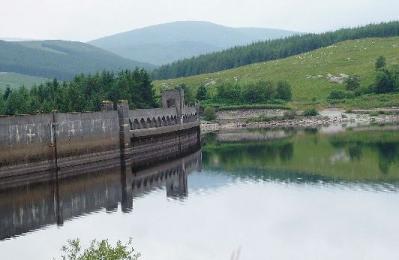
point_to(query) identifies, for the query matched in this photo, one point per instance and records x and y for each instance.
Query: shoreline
(328, 117)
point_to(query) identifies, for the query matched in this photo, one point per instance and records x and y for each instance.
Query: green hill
(59, 59)
(271, 50)
(165, 43)
(308, 73)
(15, 80)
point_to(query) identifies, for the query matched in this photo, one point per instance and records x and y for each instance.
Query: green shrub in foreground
(99, 250)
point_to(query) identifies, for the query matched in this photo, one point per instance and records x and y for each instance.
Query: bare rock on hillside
(338, 79)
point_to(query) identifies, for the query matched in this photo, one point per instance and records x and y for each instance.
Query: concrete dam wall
(32, 146)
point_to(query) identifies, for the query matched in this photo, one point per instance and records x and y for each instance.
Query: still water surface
(247, 195)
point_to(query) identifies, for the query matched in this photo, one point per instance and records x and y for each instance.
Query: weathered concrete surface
(83, 133)
(25, 139)
(34, 144)
(148, 150)
(28, 142)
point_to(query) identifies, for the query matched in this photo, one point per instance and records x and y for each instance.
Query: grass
(15, 80)
(307, 73)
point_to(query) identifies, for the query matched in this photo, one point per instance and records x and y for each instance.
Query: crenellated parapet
(161, 117)
(150, 118)
(173, 113)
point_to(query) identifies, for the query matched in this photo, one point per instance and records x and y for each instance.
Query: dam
(37, 148)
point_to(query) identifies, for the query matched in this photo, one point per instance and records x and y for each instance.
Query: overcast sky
(89, 19)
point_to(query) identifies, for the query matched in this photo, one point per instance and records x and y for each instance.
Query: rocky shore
(328, 117)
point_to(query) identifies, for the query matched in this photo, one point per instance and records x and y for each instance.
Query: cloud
(90, 19)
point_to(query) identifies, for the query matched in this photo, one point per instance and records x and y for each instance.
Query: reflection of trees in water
(251, 153)
(355, 152)
(287, 152)
(354, 149)
(359, 149)
(388, 152)
(312, 134)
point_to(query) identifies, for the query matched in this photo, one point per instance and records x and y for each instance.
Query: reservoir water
(262, 194)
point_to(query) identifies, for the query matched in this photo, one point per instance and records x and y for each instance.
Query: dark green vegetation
(165, 43)
(83, 93)
(252, 93)
(209, 114)
(366, 156)
(310, 112)
(386, 81)
(264, 94)
(271, 50)
(311, 75)
(59, 59)
(99, 250)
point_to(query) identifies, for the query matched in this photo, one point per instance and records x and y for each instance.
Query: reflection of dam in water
(30, 207)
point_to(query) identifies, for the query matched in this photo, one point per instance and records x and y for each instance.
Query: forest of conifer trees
(83, 93)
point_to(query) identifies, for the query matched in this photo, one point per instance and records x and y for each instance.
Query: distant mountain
(59, 59)
(165, 43)
(15, 80)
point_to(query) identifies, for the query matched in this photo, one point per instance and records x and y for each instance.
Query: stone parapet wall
(33, 144)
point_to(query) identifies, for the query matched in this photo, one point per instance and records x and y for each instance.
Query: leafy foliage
(380, 63)
(270, 50)
(83, 93)
(209, 113)
(387, 79)
(283, 91)
(252, 93)
(99, 250)
(352, 83)
(202, 93)
(189, 97)
(336, 95)
(310, 112)
(385, 82)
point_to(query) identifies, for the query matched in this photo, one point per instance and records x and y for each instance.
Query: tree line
(83, 93)
(270, 50)
(238, 93)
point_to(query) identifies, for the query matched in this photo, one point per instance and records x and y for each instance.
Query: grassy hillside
(165, 43)
(271, 50)
(59, 59)
(308, 72)
(15, 80)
